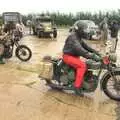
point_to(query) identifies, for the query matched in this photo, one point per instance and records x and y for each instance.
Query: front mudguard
(106, 75)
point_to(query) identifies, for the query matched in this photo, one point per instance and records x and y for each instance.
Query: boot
(78, 91)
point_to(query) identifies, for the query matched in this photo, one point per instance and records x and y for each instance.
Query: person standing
(114, 27)
(2, 47)
(104, 30)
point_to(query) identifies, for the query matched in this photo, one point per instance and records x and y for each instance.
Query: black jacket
(75, 46)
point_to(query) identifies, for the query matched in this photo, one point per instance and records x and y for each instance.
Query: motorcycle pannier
(46, 70)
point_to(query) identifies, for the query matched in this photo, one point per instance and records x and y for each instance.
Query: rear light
(106, 60)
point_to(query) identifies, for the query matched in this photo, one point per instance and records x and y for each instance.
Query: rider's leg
(1, 60)
(80, 67)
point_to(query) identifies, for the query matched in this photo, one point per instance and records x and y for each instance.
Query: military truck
(11, 20)
(15, 17)
(44, 26)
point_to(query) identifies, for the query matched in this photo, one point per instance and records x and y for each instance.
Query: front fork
(109, 72)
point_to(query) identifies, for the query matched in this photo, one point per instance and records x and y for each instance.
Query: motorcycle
(64, 75)
(9, 42)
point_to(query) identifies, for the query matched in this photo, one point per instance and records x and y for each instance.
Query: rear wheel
(111, 87)
(38, 34)
(23, 53)
(41, 34)
(55, 34)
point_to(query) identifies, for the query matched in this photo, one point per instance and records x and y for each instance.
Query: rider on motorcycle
(75, 47)
(7, 28)
(2, 47)
(1, 52)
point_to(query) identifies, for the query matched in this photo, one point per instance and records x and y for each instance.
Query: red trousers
(80, 67)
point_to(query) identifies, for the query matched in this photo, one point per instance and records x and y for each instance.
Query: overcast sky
(64, 6)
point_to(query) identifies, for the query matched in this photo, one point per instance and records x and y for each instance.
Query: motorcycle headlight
(48, 28)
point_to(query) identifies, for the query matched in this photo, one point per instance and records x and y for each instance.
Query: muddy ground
(24, 97)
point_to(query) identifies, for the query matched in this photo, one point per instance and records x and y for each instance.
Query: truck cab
(13, 20)
(44, 26)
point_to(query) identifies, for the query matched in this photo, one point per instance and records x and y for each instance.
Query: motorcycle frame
(109, 71)
(14, 43)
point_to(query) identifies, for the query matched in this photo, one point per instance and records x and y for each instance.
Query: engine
(7, 49)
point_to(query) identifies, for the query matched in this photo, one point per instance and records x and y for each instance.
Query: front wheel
(111, 86)
(23, 53)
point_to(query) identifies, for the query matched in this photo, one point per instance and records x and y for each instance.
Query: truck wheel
(34, 32)
(39, 34)
(55, 34)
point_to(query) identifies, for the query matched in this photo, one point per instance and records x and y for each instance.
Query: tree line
(61, 19)
(69, 19)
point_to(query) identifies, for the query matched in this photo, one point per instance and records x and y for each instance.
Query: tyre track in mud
(29, 85)
(117, 110)
(57, 98)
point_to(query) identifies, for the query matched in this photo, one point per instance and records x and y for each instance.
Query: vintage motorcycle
(7, 45)
(63, 76)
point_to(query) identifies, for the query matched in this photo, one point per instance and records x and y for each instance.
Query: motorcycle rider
(1, 54)
(2, 48)
(75, 47)
(5, 33)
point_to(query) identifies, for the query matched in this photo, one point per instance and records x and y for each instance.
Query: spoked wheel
(111, 86)
(23, 53)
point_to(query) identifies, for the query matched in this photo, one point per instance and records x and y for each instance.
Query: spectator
(114, 27)
(104, 30)
(2, 47)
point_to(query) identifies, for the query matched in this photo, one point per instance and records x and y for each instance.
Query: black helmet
(80, 28)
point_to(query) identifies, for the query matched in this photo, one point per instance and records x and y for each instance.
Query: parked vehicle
(12, 16)
(13, 20)
(63, 76)
(91, 29)
(44, 26)
(22, 51)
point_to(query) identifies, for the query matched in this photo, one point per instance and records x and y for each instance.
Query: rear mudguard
(107, 74)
